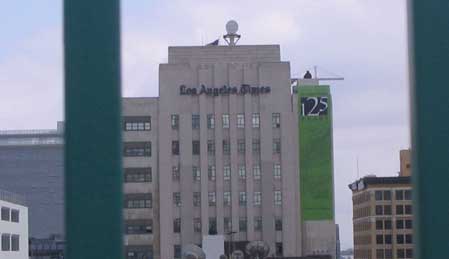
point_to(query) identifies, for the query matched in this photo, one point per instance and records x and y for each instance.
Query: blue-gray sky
(364, 41)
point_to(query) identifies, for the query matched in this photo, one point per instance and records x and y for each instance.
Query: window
(211, 147)
(277, 171)
(387, 210)
(212, 226)
(138, 201)
(277, 197)
(15, 240)
(379, 210)
(135, 149)
(256, 146)
(196, 173)
(276, 120)
(240, 120)
(242, 172)
(399, 224)
(242, 198)
(226, 147)
(408, 209)
(279, 249)
(138, 227)
(399, 209)
(175, 147)
(408, 224)
(226, 173)
(210, 121)
(256, 172)
(241, 146)
(177, 251)
(211, 172)
(227, 225)
(278, 224)
(378, 195)
(226, 199)
(196, 199)
(399, 195)
(136, 123)
(243, 226)
(225, 120)
(257, 223)
(15, 216)
(175, 173)
(138, 175)
(388, 224)
(379, 224)
(379, 253)
(212, 199)
(256, 120)
(276, 146)
(6, 242)
(257, 198)
(408, 195)
(5, 214)
(388, 254)
(409, 253)
(177, 199)
(379, 239)
(196, 147)
(175, 121)
(400, 239)
(177, 225)
(197, 225)
(388, 239)
(400, 253)
(387, 195)
(195, 121)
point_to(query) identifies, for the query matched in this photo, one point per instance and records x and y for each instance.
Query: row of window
(138, 201)
(400, 239)
(8, 214)
(400, 210)
(399, 195)
(212, 199)
(137, 227)
(226, 145)
(400, 253)
(225, 119)
(400, 224)
(227, 223)
(138, 175)
(211, 172)
(137, 149)
(10, 242)
(136, 123)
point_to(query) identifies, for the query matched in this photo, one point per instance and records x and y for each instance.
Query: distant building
(13, 226)
(31, 164)
(405, 161)
(338, 248)
(47, 248)
(382, 217)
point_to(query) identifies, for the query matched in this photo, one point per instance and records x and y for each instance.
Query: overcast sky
(363, 40)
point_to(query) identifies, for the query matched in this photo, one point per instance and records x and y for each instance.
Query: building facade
(382, 217)
(31, 164)
(13, 226)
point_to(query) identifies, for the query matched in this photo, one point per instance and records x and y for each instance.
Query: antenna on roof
(232, 37)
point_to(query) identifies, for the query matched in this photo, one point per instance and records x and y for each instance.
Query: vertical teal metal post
(429, 59)
(93, 178)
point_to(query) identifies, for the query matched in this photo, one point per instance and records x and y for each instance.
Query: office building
(31, 164)
(405, 162)
(382, 217)
(13, 226)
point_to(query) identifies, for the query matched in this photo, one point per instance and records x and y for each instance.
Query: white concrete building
(13, 226)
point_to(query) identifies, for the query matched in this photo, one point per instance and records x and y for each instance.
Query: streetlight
(230, 234)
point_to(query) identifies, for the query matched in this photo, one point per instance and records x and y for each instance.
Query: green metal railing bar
(93, 178)
(429, 57)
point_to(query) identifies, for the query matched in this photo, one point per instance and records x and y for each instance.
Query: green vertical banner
(315, 152)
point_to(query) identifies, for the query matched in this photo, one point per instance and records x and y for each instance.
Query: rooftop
(366, 181)
(12, 197)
